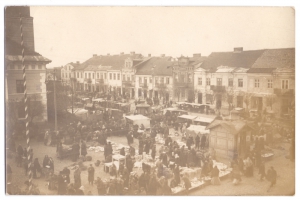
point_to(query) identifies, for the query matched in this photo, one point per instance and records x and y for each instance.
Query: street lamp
(54, 94)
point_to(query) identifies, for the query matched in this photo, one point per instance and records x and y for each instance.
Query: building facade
(34, 62)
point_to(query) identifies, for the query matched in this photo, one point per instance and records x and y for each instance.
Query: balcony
(182, 84)
(100, 81)
(218, 88)
(283, 92)
(127, 83)
(143, 85)
(88, 80)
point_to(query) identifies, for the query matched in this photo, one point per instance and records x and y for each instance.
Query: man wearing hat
(91, 172)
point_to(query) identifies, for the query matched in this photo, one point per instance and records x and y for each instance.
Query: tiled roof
(162, 66)
(75, 65)
(261, 70)
(97, 68)
(276, 58)
(244, 59)
(115, 61)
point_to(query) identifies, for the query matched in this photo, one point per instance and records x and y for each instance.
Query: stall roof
(143, 105)
(191, 117)
(204, 119)
(136, 117)
(98, 100)
(198, 129)
(181, 103)
(166, 109)
(234, 127)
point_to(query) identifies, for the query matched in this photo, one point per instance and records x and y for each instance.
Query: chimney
(149, 55)
(94, 55)
(122, 53)
(162, 55)
(132, 53)
(77, 62)
(196, 55)
(237, 49)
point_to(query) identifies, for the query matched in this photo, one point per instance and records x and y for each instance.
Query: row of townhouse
(255, 79)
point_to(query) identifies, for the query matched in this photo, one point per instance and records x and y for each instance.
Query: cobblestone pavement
(249, 186)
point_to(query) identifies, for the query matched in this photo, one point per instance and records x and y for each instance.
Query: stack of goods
(195, 182)
(147, 159)
(223, 168)
(96, 149)
(190, 173)
(267, 153)
(180, 143)
(177, 189)
(159, 140)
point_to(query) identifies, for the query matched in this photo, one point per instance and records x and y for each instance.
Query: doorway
(239, 101)
(200, 98)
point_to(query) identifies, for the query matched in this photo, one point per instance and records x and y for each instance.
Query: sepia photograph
(149, 100)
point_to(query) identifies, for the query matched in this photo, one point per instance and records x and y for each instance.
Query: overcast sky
(66, 34)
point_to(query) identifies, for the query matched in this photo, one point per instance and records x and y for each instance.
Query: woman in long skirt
(215, 180)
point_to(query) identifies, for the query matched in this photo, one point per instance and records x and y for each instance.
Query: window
(162, 80)
(145, 80)
(20, 86)
(140, 79)
(230, 82)
(124, 79)
(284, 84)
(77, 74)
(62, 75)
(150, 80)
(156, 79)
(32, 66)
(132, 77)
(128, 77)
(118, 76)
(240, 83)
(85, 75)
(21, 110)
(190, 78)
(26, 66)
(168, 80)
(40, 66)
(207, 81)
(270, 83)
(114, 76)
(256, 83)
(81, 74)
(199, 81)
(182, 78)
(93, 75)
(219, 81)
(19, 67)
(110, 76)
(104, 75)
(101, 75)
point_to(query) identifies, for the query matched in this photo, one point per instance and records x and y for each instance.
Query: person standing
(215, 180)
(203, 142)
(77, 178)
(66, 172)
(153, 151)
(100, 187)
(272, 177)
(262, 171)
(197, 142)
(91, 173)
(83, 149)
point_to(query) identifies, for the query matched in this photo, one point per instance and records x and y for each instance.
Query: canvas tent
(194, 130)
(138, 119)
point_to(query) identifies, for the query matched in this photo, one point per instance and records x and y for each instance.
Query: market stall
(203, 121)
(138, 120)
(143, 109)
(186, 118)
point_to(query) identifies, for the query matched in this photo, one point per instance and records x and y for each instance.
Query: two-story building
(271, 81)
(225, 76)
(154, 78)
(102, 73)
(35, 64)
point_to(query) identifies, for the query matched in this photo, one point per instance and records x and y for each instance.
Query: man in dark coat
(203, 142)
(91, 173)
(83, 149)
(100, 187)
(129, 163)
(153, 151)
(272, 177)
(262, 171)
(197, 142)
(122, 151)
(152, 188)
(66, 173)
